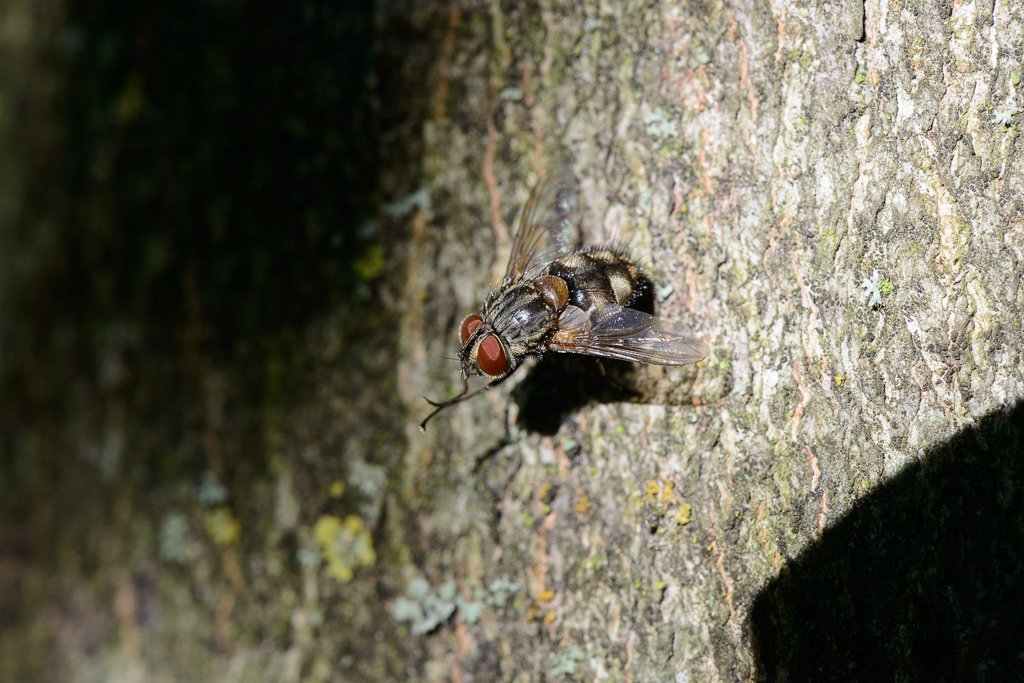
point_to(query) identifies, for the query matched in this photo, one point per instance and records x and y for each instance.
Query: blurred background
(186, 189)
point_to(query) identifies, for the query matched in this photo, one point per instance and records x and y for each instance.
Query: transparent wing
(544, 225)
(626, 334)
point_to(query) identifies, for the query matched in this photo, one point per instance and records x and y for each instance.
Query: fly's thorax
(554, 290)
(597, 277)
(522, 316)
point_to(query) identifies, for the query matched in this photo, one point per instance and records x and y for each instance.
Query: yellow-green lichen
(684, 514)
(222, 526)
(371, 264)
(346, 545)
(583, 504)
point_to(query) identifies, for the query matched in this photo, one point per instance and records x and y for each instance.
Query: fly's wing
(544, 226)
(626, 334)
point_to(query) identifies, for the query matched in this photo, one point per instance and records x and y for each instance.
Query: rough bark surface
(829, 194)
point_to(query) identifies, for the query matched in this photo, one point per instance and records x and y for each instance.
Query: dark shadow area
(219, 168)
(214, 186)
(204, 187)
(562, 383)
(923, 581)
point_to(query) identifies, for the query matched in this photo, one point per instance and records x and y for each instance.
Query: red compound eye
(491, 356)
(470, 323)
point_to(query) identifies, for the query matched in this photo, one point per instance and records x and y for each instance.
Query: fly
(573, 303)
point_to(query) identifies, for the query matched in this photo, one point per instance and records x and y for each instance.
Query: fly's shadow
(562, 383)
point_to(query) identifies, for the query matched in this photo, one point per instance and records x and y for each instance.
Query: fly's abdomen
(598, 277)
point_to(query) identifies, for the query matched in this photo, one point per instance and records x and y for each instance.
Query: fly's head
(483, 352)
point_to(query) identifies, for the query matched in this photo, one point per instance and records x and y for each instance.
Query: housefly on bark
(568, 302)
